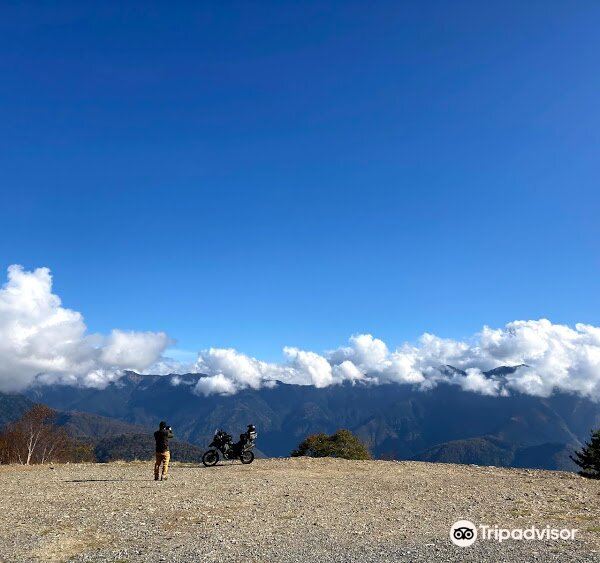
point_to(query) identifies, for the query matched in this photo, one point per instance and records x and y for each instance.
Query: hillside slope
(12, 407)
(92, 427)
(111, 439)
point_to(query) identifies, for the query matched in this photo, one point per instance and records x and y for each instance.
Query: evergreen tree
(588, 458)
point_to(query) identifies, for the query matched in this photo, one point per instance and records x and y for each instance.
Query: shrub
(342, 444)
(82, 452)
(588, 458)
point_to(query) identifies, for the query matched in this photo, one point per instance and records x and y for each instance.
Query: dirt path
(289, 510)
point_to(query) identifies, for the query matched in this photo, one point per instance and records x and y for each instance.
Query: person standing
(163, 455)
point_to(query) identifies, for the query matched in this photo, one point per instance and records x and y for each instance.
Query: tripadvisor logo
(464, 533)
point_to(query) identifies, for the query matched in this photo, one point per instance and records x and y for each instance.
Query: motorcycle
(222, 445)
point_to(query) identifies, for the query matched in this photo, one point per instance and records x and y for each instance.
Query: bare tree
(12, 442)
(56, 446)
(35, 438)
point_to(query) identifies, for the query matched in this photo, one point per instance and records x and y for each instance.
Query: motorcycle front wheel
(247, 457)
(210, 458)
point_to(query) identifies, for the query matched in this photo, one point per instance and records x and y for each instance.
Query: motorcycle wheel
(247, 457)
(210, 458)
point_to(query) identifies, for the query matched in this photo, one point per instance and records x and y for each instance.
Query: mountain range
(444, 424)
(109, 438)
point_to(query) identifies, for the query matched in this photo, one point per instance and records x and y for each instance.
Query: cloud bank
(43, 342)
(547, 358)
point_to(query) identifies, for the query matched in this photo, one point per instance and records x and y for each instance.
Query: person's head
(162, 425)
(251, 428)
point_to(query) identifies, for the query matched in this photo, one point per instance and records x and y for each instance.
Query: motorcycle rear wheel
(210, 458)
(247, 457)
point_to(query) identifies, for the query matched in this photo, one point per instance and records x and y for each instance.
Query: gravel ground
(289, 510)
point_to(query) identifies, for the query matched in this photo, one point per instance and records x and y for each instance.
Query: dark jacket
(162, 439)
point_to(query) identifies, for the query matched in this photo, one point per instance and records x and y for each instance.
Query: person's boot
(164, 478)
(156, 477)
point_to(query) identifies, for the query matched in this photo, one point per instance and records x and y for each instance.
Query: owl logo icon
(463, 533)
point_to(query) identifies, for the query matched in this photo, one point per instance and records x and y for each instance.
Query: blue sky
(269, 174)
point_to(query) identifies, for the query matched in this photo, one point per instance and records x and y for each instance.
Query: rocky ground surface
(289, 510)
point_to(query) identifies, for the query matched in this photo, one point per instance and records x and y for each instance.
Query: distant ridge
(12, 407)
(397, 421)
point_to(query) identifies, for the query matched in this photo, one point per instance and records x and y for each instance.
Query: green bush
(342, 444)
(82, 452)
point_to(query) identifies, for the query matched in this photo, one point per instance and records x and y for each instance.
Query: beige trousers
(162, 458)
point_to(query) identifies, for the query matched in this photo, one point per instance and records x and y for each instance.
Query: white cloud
(137, 350)
(364, 350)
(549, 357)
(347, 371)
(167, 366)
(240, 370)
(42, 340)
(477, 382)
(310, 368)
(215, 384)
